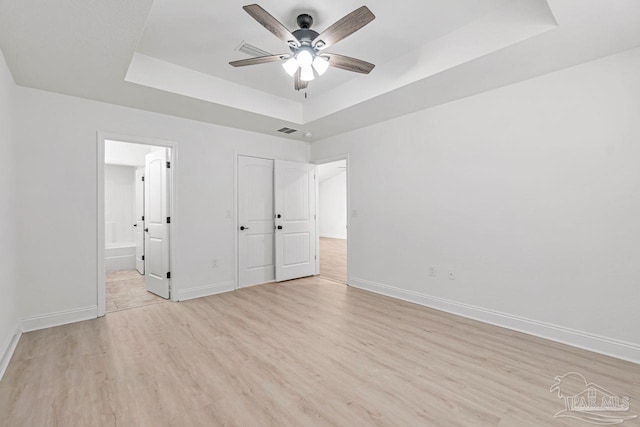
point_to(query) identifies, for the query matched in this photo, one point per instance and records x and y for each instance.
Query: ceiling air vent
(251, 50)
(287, 130)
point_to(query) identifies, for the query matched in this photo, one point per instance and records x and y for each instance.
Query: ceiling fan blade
(298, 83)
(271, 24)
(259, 60)
(344, 27)
(349, 64)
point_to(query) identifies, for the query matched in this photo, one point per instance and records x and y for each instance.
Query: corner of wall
(9, 311)
(8, 348)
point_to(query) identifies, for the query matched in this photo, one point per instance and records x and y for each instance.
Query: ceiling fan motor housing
(305, 37)
(305, 34)
(305, 21)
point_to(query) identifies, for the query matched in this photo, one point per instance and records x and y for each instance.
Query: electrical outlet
(354, 213)
(452, 275)
(214, 263)
(432, 271)
(227, 213)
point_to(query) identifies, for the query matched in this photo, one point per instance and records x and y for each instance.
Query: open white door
(255, 221)
(139, 225)
(295, 220)
(156, 212)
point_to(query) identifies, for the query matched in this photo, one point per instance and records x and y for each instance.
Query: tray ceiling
(172, 57)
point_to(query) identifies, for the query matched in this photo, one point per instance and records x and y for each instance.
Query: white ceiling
(262, 89)
(172, 58)
(202, 35)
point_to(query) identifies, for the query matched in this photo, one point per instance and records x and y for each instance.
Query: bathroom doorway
(136, 182)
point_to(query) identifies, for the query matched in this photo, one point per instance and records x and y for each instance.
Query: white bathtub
(119, 257)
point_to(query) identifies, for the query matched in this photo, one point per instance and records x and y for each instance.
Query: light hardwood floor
(309, 352)
(333, 259)
(125, 289)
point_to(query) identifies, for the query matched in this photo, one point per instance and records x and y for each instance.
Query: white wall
(8, 283)
(119, 204)
(56, 163)
(333, 206)
(530, 193)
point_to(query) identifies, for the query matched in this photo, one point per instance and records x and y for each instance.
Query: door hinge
(315, 257)
(143, 179)
(168, 165)
(143, 217)
(169, 275)
(168, 220)
(143, 257)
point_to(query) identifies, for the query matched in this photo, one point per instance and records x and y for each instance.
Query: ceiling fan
(307, 46)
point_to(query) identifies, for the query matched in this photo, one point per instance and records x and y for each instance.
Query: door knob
(146, 229)
(279, 216)
(135, 225)
(279, 227)
(242, 227)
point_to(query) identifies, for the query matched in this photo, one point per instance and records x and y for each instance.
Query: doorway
(276, 229)
(134, 219)
(332, 220)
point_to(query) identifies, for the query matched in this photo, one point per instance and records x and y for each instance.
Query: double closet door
(276, 220)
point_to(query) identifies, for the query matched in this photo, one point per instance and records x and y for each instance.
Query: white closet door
(295, 220)
(139, 225)
(255, 221)
(156, 222)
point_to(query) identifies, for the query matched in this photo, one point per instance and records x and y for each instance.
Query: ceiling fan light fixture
(304, 58)
(290, 66)
(306, 74)
(320, 64)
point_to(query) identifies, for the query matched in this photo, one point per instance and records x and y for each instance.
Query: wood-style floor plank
(125, 289)
(333, 259)
(306, 352)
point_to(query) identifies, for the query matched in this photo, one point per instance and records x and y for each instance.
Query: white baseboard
(7, 349)
(256, 284)
(59, 318)
(599, 344)
(205, 291)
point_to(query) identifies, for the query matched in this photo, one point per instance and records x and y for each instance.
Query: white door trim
(331, 159)
(101, 137)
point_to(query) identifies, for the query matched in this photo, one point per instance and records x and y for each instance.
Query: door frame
(321, 161)
(101, 137)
